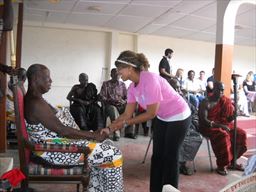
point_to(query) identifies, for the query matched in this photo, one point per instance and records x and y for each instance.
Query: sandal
(222, 171)
(238, 167)
(185, 170)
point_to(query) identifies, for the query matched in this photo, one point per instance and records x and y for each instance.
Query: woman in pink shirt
(159, 100)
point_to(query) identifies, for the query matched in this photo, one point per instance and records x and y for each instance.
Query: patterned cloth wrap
(10, 106)
(66, 118)
(105, 161)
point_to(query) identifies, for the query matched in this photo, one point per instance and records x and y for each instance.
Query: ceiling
(185, 19)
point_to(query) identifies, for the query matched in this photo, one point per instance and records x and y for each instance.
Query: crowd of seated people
(246, 90)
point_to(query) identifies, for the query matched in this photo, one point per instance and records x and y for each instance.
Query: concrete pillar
(226, 15)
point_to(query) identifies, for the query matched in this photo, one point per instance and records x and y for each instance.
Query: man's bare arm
(45, 115)
(164, 72)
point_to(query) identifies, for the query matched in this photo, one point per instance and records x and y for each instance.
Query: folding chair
(209, 152)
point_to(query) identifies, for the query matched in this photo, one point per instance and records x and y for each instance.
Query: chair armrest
(64, 148)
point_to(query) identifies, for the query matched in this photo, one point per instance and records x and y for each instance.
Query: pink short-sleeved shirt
(153, 89)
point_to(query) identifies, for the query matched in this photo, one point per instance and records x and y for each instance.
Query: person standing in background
(165, 69)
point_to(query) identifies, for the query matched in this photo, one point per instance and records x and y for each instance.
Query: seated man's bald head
(34, 69)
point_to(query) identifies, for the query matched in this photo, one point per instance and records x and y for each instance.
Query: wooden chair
(36, 172)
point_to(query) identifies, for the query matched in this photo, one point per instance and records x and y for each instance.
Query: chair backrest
(21, 130)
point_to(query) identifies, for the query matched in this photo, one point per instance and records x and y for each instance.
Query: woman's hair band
(127, 63)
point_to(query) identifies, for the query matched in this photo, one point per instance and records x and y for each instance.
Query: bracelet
(211, 123)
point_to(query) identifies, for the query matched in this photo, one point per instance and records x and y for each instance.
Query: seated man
(216, 114)
(83, 105)
(194, 92)
(114, 94)
(193, 138)
(43, 126)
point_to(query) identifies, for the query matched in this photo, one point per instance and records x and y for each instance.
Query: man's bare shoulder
(35, 107)
(76, 86)
(204, 103)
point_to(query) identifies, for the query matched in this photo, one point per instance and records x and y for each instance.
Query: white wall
(187, 54)
(244, 60)
(68, 52)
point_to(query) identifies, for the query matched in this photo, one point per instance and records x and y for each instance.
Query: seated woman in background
(242, 104)
(43, 125)
(249, 86)
(83, 105)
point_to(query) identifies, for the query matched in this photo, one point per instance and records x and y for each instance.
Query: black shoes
(222, 171)
(116, 138)
(130, 135)
(127, 135)
(145, 131)
(186, 170)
